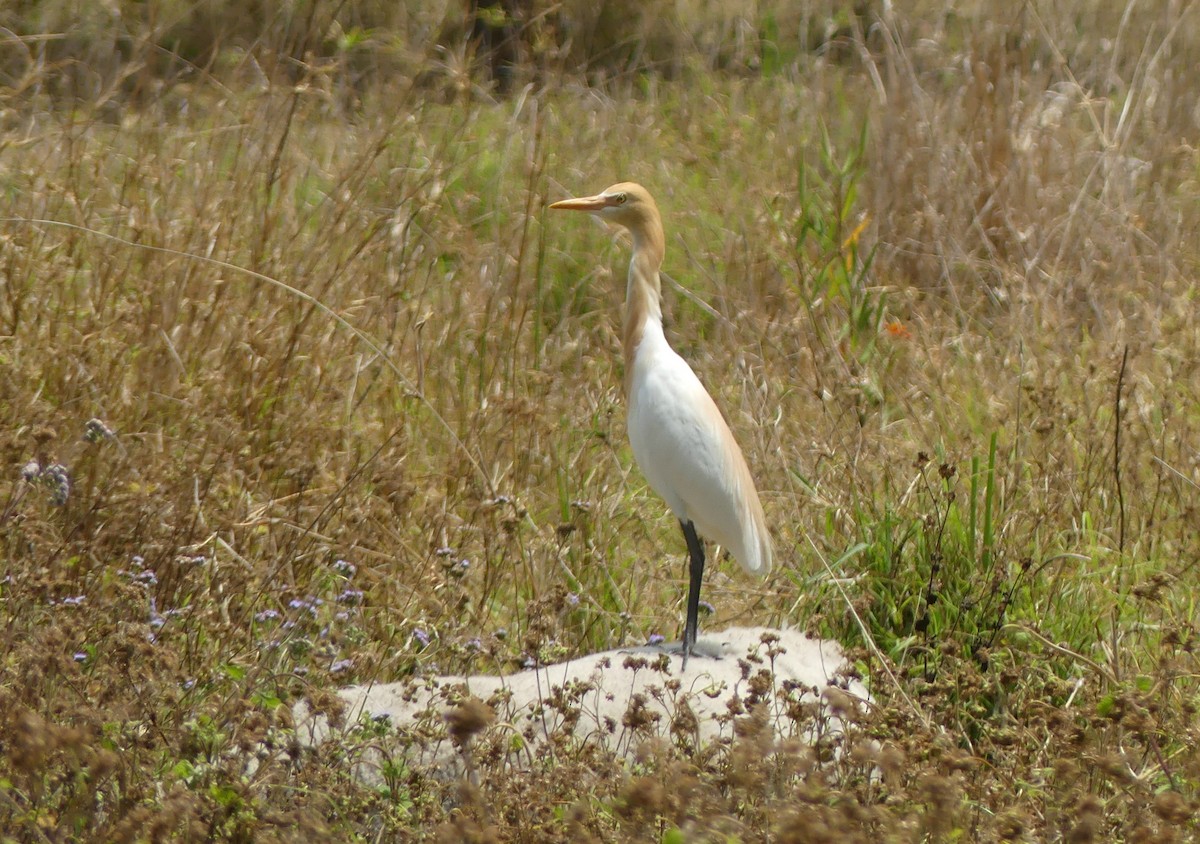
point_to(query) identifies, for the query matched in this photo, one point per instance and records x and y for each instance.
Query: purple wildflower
(421, 636)
(345, 568)
(95, 430)
(58, 479)
(340, 666)
(353, 597)
(55, 477)
(80, 656)
(656, 639)
(266, 615)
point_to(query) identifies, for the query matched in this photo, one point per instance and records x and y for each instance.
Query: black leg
(696, 574)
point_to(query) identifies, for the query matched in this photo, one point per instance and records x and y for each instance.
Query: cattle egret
(680, 440)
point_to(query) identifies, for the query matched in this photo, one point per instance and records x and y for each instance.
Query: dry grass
(363, 395)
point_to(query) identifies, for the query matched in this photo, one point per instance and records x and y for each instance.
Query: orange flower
(898, 330)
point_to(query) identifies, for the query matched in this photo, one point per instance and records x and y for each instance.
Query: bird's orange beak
(584, 203)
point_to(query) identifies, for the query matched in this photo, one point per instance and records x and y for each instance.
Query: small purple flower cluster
(456, 569)
(303, 622)
(54, 476)
(146, 578)
(159, 620)
(139, 574)
(308, 605)
(95, 430)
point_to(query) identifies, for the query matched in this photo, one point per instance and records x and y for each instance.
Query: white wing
(689, 456)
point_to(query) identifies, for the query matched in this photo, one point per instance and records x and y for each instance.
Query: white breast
(687, 453)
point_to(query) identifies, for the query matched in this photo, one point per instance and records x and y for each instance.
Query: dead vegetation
(300, 387)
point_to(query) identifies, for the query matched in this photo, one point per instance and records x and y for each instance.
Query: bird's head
(626, 203)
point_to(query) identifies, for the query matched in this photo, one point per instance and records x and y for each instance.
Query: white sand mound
(617, 699)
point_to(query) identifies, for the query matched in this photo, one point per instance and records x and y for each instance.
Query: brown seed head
(468, 718)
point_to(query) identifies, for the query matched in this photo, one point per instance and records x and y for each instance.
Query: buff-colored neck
(643, 294)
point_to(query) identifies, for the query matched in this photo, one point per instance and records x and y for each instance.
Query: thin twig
(1117, 449)
(1174, 471)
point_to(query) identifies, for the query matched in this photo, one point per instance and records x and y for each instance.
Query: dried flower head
(467, 719)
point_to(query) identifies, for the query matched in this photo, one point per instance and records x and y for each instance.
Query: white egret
(680, 440)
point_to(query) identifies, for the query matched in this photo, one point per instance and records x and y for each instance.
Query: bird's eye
(620, 198)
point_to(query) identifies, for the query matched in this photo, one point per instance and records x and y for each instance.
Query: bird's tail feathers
(757, 555)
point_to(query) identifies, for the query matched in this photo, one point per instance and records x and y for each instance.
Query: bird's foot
(703, 649)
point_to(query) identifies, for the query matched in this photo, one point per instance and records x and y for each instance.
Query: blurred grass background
(359, 415)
